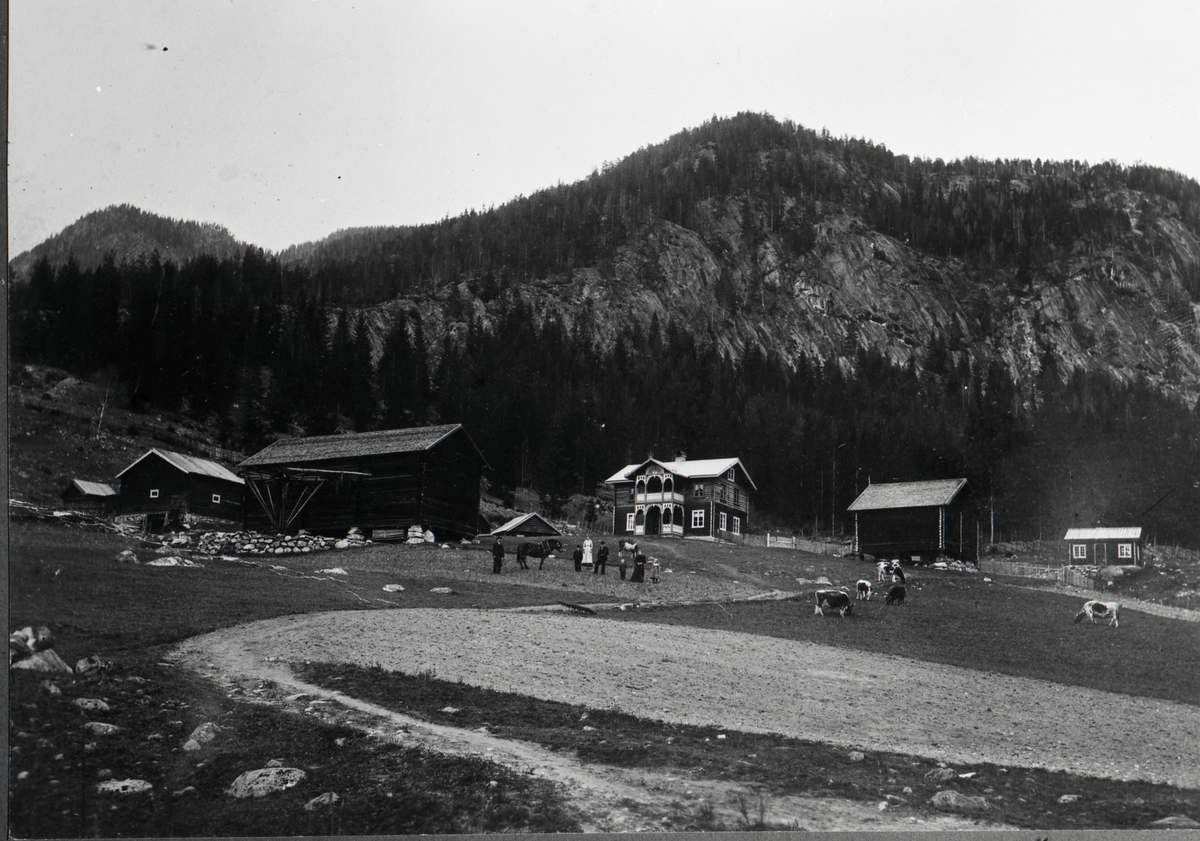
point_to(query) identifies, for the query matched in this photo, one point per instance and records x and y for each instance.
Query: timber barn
(906, 520)
(376, 481)
(94, 498)
(165, 486)
(704, 498)
(1102, 546)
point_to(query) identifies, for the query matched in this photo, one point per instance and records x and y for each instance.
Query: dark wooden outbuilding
(527, 525)
(95, 498)
(165, 486)
(909, 520)
(1102, 546)
(386, 480)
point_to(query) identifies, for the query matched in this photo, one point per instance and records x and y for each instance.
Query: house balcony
(658, 498)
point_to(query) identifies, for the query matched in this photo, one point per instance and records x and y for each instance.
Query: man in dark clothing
(601, 560)
(578, 556)
(497, 556)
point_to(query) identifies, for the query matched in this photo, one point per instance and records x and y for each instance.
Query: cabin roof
(188, 464)
(92, 488)
(527, 524)
(908, 494)
(701, 468)
(1127, 533)
(329, 447)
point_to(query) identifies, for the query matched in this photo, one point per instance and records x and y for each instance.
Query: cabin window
(729, 474)
(1124, 550)
(217, 499)
(1079, 552)
(737, 497)
(724, 524)
(698, 518)
(699, 491)
(720, 493)
(154, 493)
(630, 522)
(737, 525)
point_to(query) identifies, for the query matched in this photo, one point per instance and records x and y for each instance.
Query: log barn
(1102, 546)
(907, 520)
(703, 498)
(528, 525)
(95, 498)
(165, 486)
(389, 480)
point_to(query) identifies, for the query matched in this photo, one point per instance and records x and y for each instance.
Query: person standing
(578, 556)
(639, 569)
(621, 565)
(601, 559)
(497, 556)
(587, 553)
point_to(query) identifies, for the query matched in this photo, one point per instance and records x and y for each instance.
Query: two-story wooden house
(705, 498)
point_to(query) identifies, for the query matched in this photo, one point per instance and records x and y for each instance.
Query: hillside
(823, 308)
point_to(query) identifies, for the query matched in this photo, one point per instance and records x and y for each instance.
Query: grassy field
(70, 580)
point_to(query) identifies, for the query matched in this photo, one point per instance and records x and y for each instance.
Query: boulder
(124, 787)
(101, 728)
(91, 664)
(42, 661)
(856, 756)
(1176, 822)
(91, 705)
(949, 800)
(322, 801)
(265, 781)
(393, 588)
(941, 775)
(206, 732)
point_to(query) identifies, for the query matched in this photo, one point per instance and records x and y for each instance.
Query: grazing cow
(543, 550)
(1093, 608)
(864, 589)
(883, 568)
(897, 574)
(831, 600)
(895, 595)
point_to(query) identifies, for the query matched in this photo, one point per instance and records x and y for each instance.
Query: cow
(864, 589)
(831, 600)
(1094, 608)
(883, 569)
(897, 574)
(895, 595)
(543, 550)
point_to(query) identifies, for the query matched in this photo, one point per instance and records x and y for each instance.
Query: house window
(1124, 550)
(217, 499)
(154, 493)
(729, 475)
(698, 492)
(698, 518)
(630, 522)
(737, 525)
(724, 523)
(720, 493)
(1079, 552)
(737, 497)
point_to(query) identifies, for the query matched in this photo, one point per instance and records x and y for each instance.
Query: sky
(287, 120)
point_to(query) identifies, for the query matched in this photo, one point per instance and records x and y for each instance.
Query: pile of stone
(253, 543)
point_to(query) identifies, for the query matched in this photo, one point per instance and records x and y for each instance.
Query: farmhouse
(912, 519)
(528, 525)
(705, 498)
(376, 481)
(164, 486)
(93, 498)
(1101, 546)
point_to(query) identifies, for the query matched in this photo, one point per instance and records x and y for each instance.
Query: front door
(653, 520)
(1101, 554)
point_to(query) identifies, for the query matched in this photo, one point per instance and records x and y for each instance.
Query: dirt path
(694, 676)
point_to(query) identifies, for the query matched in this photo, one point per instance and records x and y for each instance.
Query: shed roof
(701, 468)
(1128, 533)
(91, 488)
(527, 524)
(908, 494)
(188, 464)
(329, 447)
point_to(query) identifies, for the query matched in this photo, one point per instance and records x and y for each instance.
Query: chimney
(680, 456)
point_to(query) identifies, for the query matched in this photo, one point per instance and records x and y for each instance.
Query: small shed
(94, 498)
(164, 486)
(527, 525)
(912, 519)
(1102, 546)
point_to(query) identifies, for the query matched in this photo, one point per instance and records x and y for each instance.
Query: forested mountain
(824, 309)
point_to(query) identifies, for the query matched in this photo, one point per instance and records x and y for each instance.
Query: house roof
(908, 494)
(1129, 533)
(527, 524)
(702, 468)
(329, 447)
(92, 488)
(188, 464)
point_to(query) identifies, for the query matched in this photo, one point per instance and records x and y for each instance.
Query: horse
(627, 546)
(542, 550)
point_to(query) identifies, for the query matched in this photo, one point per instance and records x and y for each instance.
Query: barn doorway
(653, 520)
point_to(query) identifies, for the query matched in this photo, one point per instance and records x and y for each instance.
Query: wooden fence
(1060, 574)
(775, 541)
